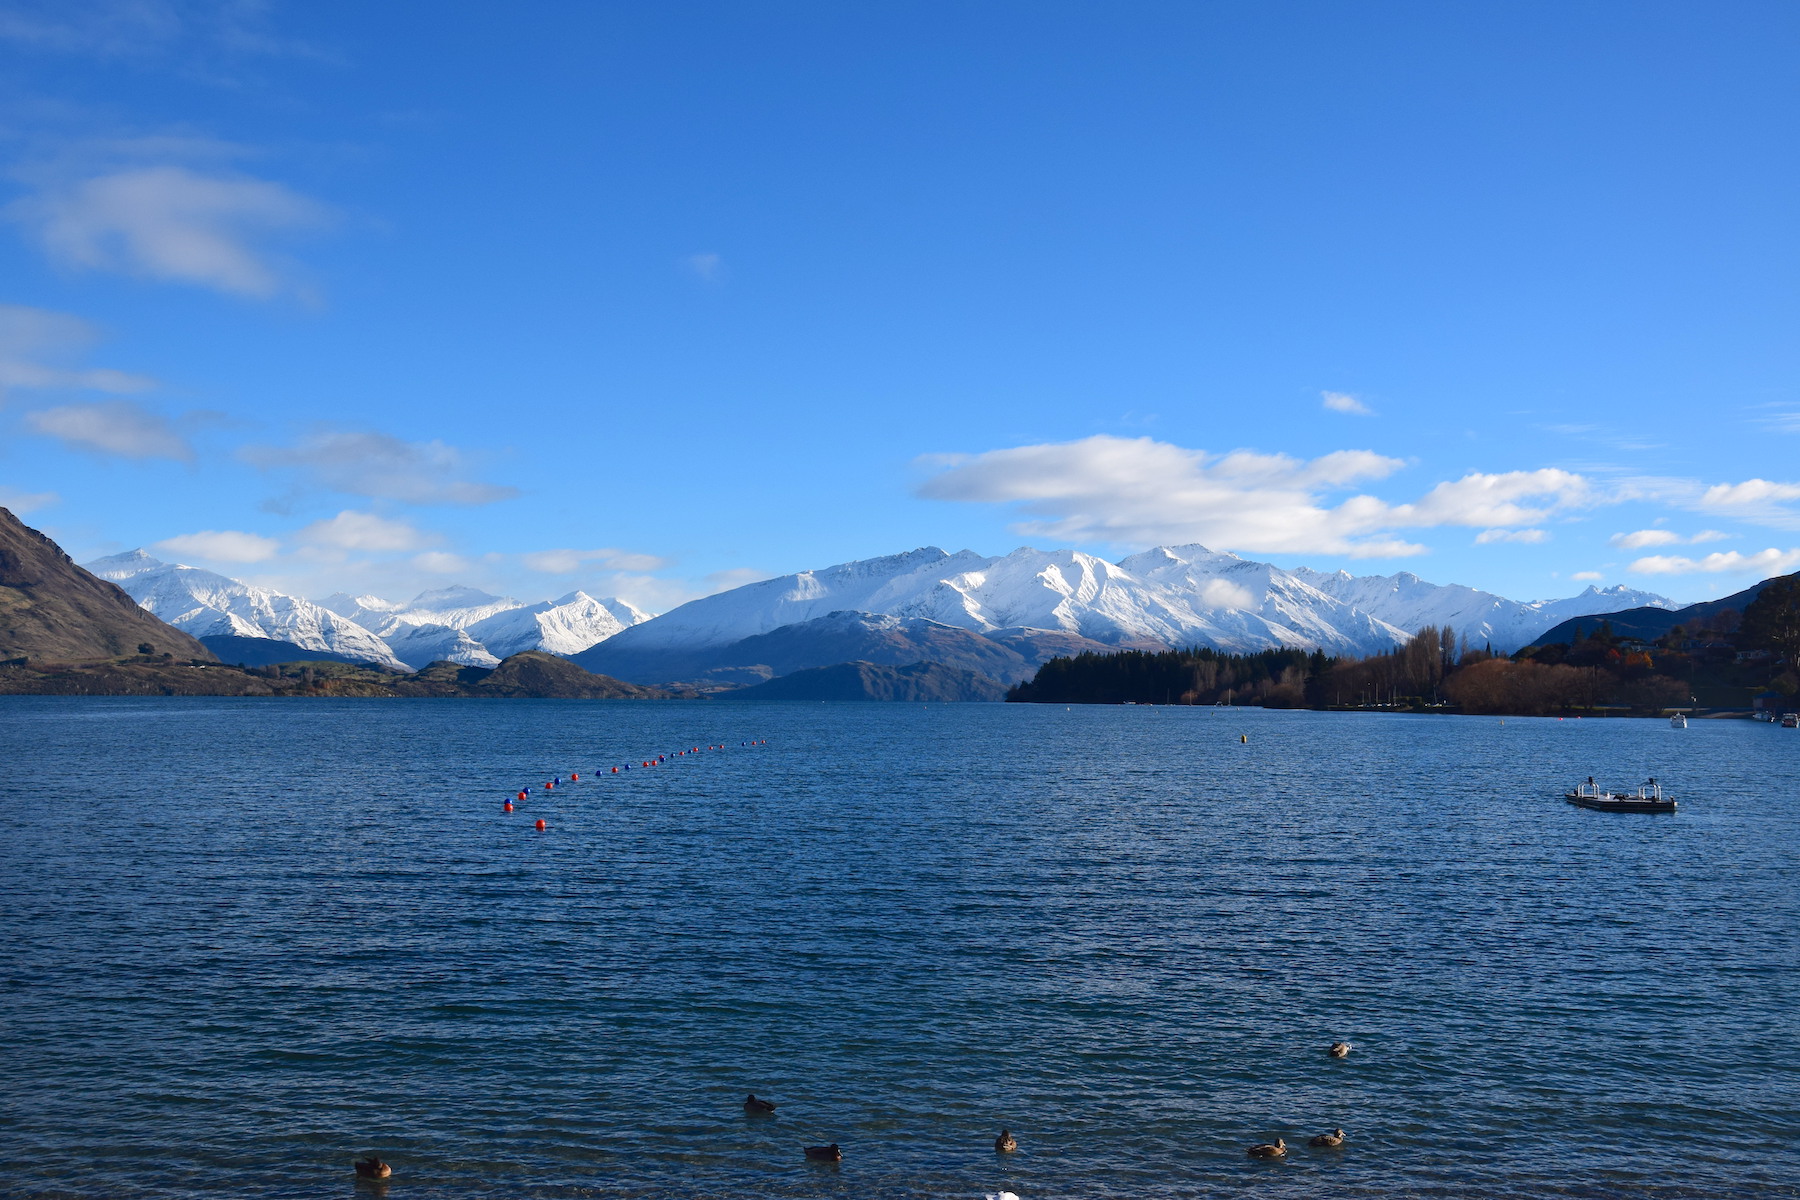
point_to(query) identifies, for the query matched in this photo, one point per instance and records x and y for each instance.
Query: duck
(829, 1153)
(1266, 1150)
(1006, 1143)
(758, 1107)
(1339, 1049)
(372, 1168)
(1328, 1141)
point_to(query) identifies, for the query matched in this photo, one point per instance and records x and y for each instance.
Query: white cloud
(1751, 493)
(709, 267)
(380, 467)
(362, 531)
(118, 427)
(1345, 403)
(1644, 538)
(171, 222)
(24, 502)
(1222, 593)
(42, 349)
(1588, 576)
(1144, 492)
(1764, 562)
(1530, 536)
(568, 562)
(222, 545)
(439, 562)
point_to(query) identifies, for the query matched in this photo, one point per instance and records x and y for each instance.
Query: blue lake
(249, 940)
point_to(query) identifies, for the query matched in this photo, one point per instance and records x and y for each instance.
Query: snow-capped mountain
(1411, 603)
(1169, 596)
(456, 607)
(465, 625)
(565, 626)
(202, 603)
(418, 646)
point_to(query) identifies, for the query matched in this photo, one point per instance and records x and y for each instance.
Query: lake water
(248, 940)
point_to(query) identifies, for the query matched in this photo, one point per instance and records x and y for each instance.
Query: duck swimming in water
(1266, 1150)
(1339, 1049)
(829, 1153)
(1006, 1143)
(372, 1168)
(1328, 1141)
(758, 1107)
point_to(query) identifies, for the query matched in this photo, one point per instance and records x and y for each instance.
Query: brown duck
(372, 1168)
(758, 1107)
(829, 1153)
(1006, 1143)
(1328, 1141)
(1339, 1049)
(1277, 1149)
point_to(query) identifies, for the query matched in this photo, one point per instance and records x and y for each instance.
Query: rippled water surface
(247, 940)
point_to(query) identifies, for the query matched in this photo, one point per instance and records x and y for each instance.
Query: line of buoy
(575, 776)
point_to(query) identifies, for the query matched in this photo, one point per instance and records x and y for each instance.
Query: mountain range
(459, 625)
(997, 617)
(1039, 604)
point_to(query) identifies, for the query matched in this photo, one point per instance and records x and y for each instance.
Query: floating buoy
(1244, 738)
(507, 807)
(616, 770)
(542, 825)
(573, 778)
(521, 797)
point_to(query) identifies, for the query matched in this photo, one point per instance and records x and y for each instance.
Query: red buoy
(573, 778)
(615, 770)
(541, 825)
(508, 806)
(521, 797)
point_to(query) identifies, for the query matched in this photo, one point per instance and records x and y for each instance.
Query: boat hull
(1620, 804)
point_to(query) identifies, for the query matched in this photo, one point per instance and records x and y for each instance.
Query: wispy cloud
(709, 267)
(1528, 536)
(43, 349)
(1588, 576)
(363, 531)
(1644, 538)
(221, 546)
(172, 222)
(24, 502)
(379, 466)
(199, 38)
(568, 562)
(1143, 492)
(1765, 562)
(1343, 402)
(119, 427)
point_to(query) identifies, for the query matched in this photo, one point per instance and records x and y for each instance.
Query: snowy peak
(567, 625)
(203, 603)
(1166, 596)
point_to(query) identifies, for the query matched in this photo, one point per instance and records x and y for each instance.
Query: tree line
(1730, 654)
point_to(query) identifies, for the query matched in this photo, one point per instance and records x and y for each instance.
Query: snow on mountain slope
(202, 603)
(1169, 596)
(1408, 602)
(874, 585)
(456, 607)
(1253, 604)
(567, 625)
(490, 625)
(418, 646)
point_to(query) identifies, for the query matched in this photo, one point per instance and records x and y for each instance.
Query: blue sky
(653, 299)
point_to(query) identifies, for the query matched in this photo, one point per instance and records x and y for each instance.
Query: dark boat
(1647, 799)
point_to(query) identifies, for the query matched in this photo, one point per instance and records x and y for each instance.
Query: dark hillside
(52, 609)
